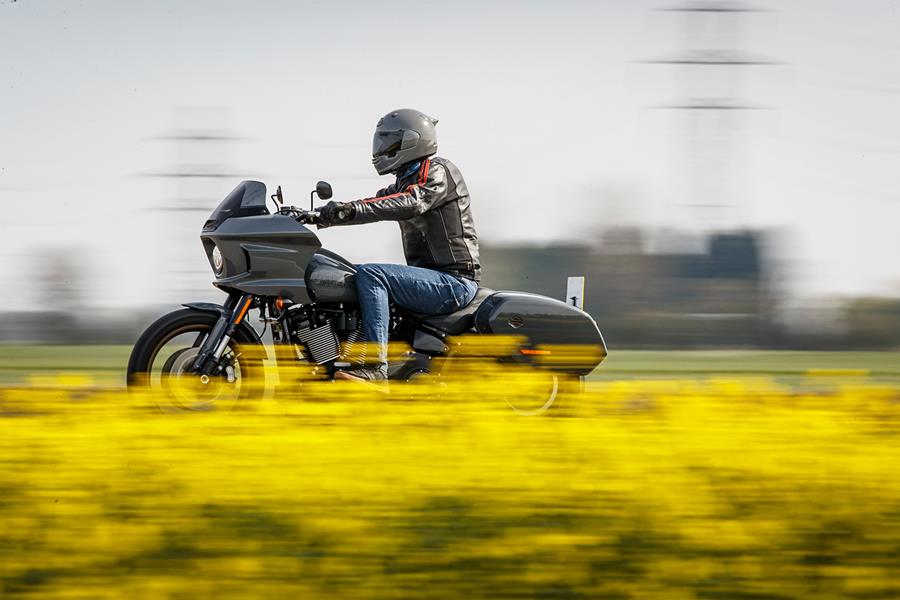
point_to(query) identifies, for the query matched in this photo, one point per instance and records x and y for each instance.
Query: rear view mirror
(323, 190)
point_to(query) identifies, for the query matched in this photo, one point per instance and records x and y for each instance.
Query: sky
(554, 111)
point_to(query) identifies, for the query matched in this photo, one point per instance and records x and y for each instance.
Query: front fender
(245, 328)
(206, 307)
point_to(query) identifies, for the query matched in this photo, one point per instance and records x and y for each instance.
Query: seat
(461, 320)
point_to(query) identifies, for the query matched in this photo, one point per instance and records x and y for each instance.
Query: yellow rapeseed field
(692, 488)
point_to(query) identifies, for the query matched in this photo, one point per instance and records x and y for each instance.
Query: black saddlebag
(552, 333)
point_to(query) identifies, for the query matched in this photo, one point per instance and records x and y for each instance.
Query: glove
(335, 213)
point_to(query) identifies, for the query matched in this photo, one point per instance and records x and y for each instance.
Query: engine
(329, 336)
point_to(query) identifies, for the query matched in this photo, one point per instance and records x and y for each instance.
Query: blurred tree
(61, 284)
(61, 278)
(873, 323)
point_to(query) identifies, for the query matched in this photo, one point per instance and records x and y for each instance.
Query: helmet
(401, 137)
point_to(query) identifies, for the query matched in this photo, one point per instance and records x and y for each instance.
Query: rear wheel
(539, 392)
(161, 361)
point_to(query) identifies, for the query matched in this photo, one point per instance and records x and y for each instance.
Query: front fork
(233, 313)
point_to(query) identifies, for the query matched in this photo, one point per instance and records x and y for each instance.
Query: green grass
(17, 361)
(643, 363)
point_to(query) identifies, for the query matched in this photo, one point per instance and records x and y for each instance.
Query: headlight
(218, 262)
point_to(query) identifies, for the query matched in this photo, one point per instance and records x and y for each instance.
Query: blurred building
(717, 297)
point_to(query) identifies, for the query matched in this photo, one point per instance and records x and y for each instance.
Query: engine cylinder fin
(353, 349)
(321, 342)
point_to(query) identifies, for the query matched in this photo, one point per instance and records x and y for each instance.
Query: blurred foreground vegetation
(107, 363)
(665, 483)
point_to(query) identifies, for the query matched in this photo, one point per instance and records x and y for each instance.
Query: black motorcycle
(274, 263)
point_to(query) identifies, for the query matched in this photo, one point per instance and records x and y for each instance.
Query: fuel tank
(331, 278)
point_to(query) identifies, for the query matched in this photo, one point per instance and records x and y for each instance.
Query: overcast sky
(550, 109)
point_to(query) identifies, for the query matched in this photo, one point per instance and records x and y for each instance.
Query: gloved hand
(335, 213)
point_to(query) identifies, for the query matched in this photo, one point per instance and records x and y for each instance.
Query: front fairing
(264, 255)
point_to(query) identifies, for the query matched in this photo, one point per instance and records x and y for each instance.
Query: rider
(430, 201)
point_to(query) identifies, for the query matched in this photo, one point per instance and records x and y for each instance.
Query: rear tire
(151, 372)
(547, 393)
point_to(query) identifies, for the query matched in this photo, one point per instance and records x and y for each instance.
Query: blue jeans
(416, 289)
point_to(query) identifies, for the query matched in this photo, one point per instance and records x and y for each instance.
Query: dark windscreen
(248, 198)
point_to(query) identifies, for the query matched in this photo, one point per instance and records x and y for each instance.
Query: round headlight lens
(217, 260)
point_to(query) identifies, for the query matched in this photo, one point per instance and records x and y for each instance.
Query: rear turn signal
(530, 352)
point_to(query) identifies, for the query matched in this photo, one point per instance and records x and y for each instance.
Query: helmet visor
(386, 142)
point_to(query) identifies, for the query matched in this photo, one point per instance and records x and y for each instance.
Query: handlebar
(302, 216)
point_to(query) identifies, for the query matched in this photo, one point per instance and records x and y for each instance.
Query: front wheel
(161, 361)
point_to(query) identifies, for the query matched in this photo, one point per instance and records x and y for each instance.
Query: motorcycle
(274, 262)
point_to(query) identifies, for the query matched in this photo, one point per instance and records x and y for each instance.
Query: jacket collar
(406, 171)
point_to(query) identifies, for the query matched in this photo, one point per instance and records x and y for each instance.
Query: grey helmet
(401, 137)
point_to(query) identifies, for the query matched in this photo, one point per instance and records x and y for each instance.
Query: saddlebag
(551, 333)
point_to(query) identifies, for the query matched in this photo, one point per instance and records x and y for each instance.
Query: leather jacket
(431, 204)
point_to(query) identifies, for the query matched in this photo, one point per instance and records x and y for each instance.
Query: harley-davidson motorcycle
(273, 262)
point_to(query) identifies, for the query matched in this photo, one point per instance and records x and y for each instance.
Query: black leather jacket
(432, 206)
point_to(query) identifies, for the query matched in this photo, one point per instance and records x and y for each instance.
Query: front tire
(160, 361)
